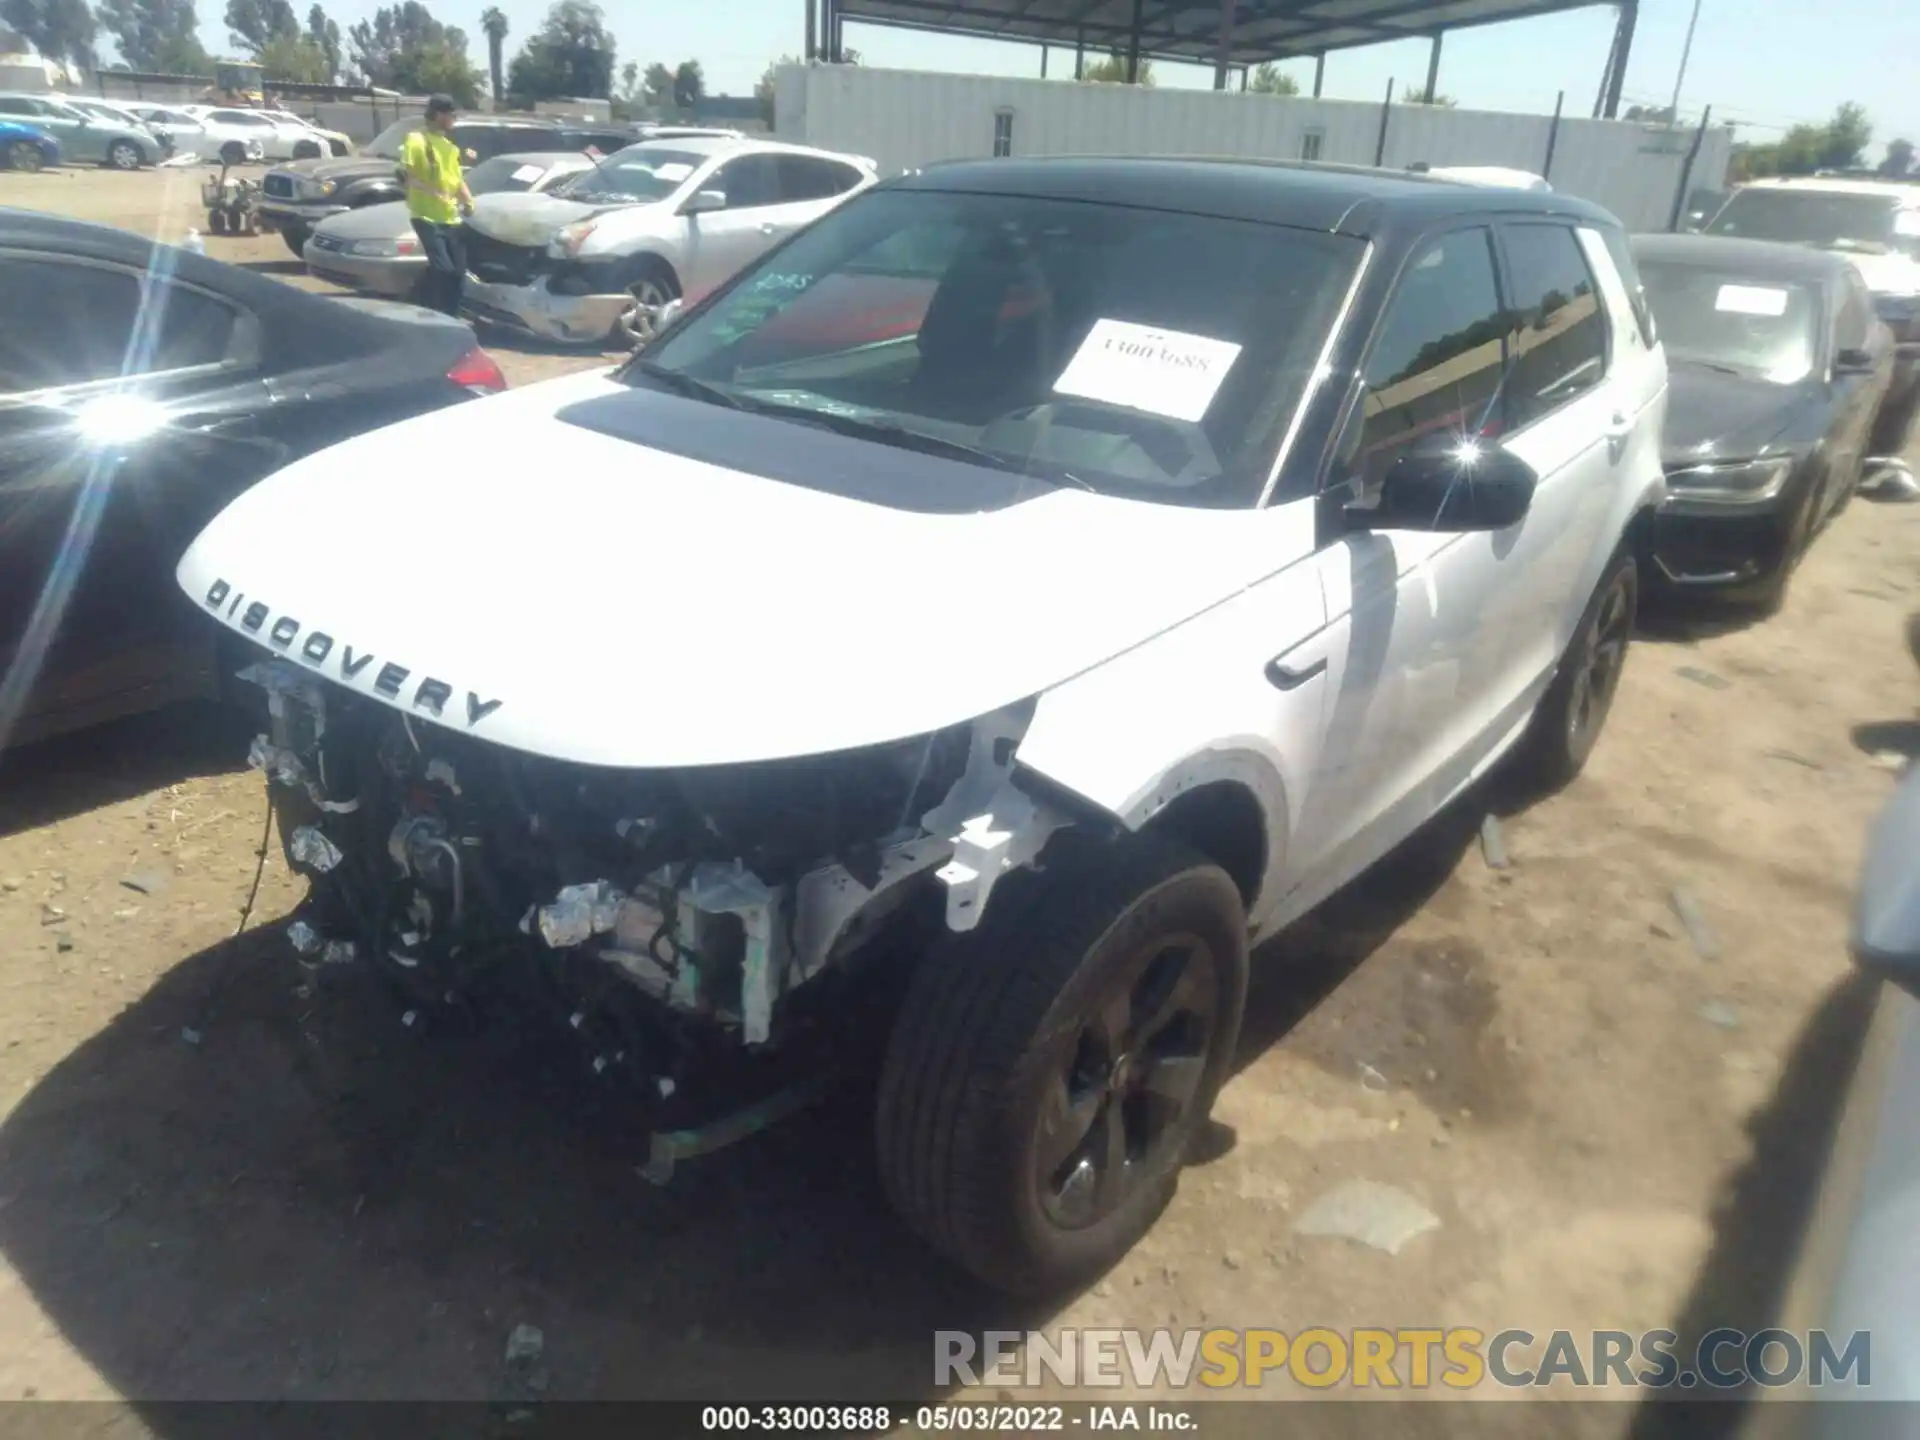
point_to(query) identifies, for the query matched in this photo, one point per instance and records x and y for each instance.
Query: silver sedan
(374, 249)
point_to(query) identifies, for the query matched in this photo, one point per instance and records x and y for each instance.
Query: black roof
(1761, 259)
(1190, 29)
(1350, 199)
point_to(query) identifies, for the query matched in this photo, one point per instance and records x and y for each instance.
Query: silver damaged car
(655, 222)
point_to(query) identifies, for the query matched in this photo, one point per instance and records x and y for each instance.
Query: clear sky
(1763, 63)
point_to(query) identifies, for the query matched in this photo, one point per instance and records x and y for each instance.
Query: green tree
(1899, 159)
(295, 58)
(572, 54)
(404, 48)
(689, 85)
(325, 33)
(252, 23)
(493, 24)
(1417, 95)
(658, 86)
(763, 92)
(1840, 144)
(1113, 71)
(1269, 79)
(158, 35)
(58, 29)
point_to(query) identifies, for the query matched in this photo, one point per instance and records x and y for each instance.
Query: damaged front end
(704, 934)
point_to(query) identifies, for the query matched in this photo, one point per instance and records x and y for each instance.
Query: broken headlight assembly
(667, 918)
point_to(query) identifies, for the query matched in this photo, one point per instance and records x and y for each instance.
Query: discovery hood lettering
(571, 594)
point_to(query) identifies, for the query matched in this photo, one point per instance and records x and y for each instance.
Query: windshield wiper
(889, 432)
(682, 383)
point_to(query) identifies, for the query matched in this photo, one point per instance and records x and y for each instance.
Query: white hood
(1892, 274)
(586, 598)
(522, 218)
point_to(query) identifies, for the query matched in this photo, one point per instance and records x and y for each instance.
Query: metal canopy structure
(1226, 34)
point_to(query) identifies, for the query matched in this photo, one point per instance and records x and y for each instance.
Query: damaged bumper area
(535, 309)
(688, 927)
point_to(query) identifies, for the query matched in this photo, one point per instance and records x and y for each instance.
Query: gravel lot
(217, 1184)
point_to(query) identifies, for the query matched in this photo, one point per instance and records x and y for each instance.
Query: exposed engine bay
(678, 922)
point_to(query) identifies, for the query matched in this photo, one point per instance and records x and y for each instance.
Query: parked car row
(78, 134)
(1400, 455)
(137, 133)
(297, 197)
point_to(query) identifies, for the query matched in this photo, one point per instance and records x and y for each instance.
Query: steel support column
(1319, 72)
(813, 30)
(1433, 67)
(1133, 42)
(1622, 52)
(1222, 59)
(1553, 137)
(1080, 53)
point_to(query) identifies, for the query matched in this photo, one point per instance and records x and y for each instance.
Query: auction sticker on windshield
(672, 172)
(1751, 300)
(1163, 372)
(528, 173)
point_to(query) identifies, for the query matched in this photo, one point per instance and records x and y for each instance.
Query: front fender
(1195, 706)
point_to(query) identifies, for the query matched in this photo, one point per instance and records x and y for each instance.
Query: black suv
(297, 196)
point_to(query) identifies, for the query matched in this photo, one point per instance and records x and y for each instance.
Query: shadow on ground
(47, 782)
(246, 1189)
(1902, 737)
(1761, 1220)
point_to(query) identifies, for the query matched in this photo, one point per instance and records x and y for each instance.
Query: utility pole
(1686, 53)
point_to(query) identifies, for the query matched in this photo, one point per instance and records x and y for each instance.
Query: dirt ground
(217, 1183)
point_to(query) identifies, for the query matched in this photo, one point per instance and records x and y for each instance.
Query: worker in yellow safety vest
(437, 198)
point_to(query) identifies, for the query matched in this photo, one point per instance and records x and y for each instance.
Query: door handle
(1291, 677)
(1619, 432)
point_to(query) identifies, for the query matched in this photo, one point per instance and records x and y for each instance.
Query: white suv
(987, 616)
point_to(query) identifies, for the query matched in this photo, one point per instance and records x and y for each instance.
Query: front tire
(24, 156)
(233, 153)
(650, 286)
(1575, 708)
(1046, 1071)
(296, 235)
(124, 155)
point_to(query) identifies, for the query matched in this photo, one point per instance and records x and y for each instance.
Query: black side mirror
(1886, 922)
(1854, 361)
(1451, 485)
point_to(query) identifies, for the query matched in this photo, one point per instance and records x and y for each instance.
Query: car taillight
(477, 373)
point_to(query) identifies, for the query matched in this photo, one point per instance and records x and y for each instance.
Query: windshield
(1831, 219)
(640, 172)
(386, 145)
(1763, 328)
(1134, 352)
(505, 173)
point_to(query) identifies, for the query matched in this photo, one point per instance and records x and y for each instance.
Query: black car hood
(342, 168)
(1713, 415)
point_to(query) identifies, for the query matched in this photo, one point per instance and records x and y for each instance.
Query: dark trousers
(445, 247)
